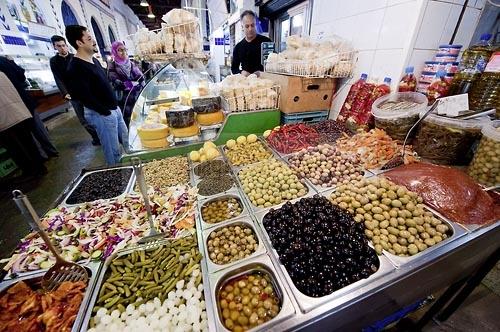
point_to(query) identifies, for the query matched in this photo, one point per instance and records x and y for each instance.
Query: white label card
(453, 105)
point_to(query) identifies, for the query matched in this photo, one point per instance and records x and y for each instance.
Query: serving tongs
(62, 269)
(400, 159)
(141, 183)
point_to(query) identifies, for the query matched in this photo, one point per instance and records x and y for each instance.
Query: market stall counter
(251, 244)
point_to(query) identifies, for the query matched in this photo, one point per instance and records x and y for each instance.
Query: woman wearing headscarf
(126, 78)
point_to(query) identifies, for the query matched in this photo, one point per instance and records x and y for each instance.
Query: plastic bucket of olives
(397, 116)
(485, 167)
(446, 141)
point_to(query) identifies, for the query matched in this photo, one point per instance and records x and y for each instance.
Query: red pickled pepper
(347, 107)
(292, 138)
(366, 117)
(358, 112)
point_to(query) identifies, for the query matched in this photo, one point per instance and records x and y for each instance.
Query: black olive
(321, 246)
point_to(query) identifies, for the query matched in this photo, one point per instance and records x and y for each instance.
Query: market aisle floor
(75, 153)
(479, 313)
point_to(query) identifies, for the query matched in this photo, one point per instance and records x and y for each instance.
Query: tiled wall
(439, 21)
(392, 34)
(381, 30)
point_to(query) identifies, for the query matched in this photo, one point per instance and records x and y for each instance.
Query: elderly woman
(126, 78)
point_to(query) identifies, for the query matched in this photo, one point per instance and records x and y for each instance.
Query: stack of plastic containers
(445, 61)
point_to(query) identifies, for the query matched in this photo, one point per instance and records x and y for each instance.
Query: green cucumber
(45, 265)
(96, 254)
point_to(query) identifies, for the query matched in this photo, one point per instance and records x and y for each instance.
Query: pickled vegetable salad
(96, 230)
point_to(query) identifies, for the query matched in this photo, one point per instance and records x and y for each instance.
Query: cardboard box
(303, 94)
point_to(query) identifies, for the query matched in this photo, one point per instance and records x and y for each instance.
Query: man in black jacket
(247, 52)
(59, 66)
(89, 84)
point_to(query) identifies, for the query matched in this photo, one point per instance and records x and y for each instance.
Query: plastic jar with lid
(397, 116)
(485, 167)
(452, 50)
(448, 141)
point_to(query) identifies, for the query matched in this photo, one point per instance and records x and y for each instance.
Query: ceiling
(158, 7)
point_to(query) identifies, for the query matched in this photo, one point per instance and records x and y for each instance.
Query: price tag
(453, 105)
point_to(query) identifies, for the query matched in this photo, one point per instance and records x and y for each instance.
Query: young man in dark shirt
(247, 52)
(88, 84)
(59, 66)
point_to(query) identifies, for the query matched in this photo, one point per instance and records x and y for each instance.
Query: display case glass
(174, 94)
(38, 72)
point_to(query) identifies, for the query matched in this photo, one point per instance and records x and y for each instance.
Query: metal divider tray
(244, 221)
(262, 264)
(319, 188)
(94, 271)
(192, 164)
(237, 168)
(123, 252)
(399, 261)
(280, 154)
(128, 187)
(235, 195)
(308, 303)
(457, 232)
(255, 209)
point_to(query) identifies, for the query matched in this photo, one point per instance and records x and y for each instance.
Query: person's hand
(67, 97)
(245, 73)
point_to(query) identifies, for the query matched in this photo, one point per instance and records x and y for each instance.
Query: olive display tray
(316, 187)
(100, 278)
(34, 277)
(128, 188)
(192, 164)
(399, 261)
(280, 154)
(457, 232)
(262, 264)
(248, 222)
(237, 196)
(255, 209)
(308, 303)
(237, 168)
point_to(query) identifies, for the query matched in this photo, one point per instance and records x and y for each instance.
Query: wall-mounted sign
(12, 39)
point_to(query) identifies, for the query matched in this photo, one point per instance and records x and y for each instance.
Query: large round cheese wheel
(208, 119)
(152, 131)
(154, 143)
(186, 132)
